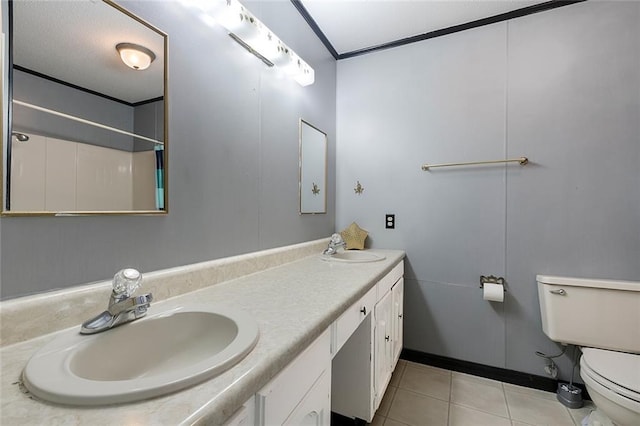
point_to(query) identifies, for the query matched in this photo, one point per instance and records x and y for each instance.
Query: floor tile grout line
(480, 380)
(424, 395)
(569, 413)
(415, 392)
(404, 370)
(457, 404)
(434, 370)
(450, 396)
(532, 393)
(396, 421)
(504, 394)
(493, 384)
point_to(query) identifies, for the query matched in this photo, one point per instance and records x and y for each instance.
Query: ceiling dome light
(135, 56)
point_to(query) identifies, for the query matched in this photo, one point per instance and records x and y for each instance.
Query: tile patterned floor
(420, 395)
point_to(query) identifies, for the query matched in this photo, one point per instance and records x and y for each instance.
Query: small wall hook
(359, 189)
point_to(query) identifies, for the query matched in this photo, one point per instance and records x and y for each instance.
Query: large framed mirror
(87, 110)
(313, 169)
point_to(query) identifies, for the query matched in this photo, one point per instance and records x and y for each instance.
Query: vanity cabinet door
(315, 408)
(281, 397)
(398, 319)
(383, 346)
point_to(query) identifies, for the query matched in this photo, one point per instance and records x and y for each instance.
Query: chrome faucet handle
(336, 240)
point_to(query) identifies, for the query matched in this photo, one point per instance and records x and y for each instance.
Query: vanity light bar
(254, 36)
(251, 49)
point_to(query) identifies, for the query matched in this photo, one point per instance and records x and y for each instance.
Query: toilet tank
(591, 312)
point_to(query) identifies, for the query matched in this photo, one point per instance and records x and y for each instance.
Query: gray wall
(233, 163)
(561, 87)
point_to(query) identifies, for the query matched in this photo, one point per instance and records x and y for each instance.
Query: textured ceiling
(74, 41)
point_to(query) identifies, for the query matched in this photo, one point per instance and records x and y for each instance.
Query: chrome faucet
(122, 307)
(335, 242)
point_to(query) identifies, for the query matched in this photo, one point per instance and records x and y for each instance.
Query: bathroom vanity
(326, 328)
(364, 343)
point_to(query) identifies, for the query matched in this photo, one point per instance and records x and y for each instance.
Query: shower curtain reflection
(159, 151)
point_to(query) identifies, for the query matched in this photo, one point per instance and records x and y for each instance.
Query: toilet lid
(621, 368)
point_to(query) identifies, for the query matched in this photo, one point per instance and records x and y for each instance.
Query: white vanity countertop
(293, 304)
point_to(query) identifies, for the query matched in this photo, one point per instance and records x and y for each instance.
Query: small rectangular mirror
(313, 169)
(87, 123)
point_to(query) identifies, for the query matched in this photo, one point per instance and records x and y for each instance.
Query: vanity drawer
(351, 319)
(385, 284)
(278, 399)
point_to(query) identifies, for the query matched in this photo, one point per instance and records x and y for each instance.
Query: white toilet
(603, 317)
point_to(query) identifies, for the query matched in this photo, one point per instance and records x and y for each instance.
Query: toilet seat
(618, 371)
(614, 376)
(619, 409)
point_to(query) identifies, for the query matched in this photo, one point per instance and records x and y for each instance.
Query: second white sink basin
(351, 256)
(142, 359)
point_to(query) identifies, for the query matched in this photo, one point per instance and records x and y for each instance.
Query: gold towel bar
(521, 160)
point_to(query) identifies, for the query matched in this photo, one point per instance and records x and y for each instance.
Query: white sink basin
(353, 257)
(149, 357)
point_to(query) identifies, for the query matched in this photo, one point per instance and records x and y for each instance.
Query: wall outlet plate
(390, 221)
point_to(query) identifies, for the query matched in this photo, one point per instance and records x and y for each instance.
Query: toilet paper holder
(492, 279)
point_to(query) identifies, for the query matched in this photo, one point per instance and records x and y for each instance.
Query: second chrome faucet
(335, 243)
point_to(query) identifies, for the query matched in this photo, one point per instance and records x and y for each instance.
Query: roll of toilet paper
(493, 292)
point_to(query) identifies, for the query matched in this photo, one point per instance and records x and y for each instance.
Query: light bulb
(134, 56)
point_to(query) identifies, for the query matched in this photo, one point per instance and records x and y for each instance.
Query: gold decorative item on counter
(354, 237)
